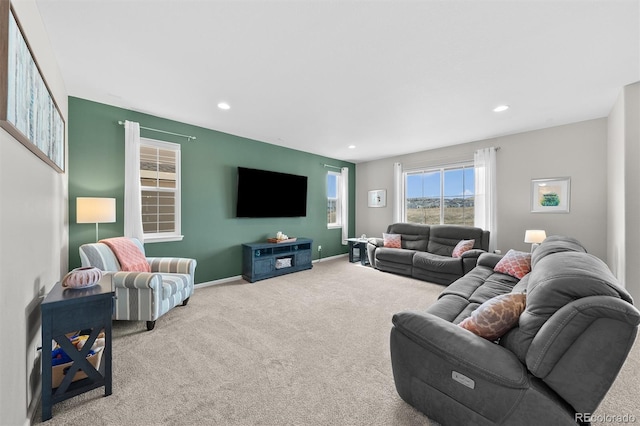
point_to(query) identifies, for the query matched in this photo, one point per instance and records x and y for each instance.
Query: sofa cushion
(496, 316)
(481, 284)
(462, 246)
(392, 240)
(414, 235)
(556, 244)
(404, 257)
(514, 263)
(433, 262)
(443, 238)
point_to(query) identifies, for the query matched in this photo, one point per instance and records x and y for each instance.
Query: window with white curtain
(334, 200)
(160, 189)
(440, 195)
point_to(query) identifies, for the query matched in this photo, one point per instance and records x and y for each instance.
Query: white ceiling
(390, 77)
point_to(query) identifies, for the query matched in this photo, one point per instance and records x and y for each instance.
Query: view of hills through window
(440, 196)
(332, 199)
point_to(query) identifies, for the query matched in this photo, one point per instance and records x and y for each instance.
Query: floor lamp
(95, 210)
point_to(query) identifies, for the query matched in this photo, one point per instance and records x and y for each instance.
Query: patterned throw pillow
(514, 263)
(462, 246)
(496, 316)
(392, 240)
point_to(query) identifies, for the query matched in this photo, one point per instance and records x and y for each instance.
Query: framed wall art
(550, 195)
(28, 110)
(377, 198)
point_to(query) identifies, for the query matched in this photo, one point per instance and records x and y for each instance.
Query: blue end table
(67, 310)
(361, 245)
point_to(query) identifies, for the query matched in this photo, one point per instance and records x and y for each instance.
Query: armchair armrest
(462, 348)
(133, 280)
(172, 265)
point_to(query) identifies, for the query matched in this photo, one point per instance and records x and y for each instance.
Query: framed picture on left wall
(28, 110)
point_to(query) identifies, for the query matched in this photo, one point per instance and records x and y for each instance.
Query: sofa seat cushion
(402, 256)
(463, 296)
(452, 308)
(437, 263)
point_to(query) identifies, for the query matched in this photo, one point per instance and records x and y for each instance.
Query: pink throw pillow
(496, 316)
(462, 246)
(392, 240)
(514, 263)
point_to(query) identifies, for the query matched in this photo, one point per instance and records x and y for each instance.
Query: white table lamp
(95, 210)
(534, 237)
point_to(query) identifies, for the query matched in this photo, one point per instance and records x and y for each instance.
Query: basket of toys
(61, 362)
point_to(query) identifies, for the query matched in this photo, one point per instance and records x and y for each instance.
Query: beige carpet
(310, 348)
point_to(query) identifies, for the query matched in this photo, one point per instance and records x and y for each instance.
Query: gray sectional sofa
(554, 367)
(426, 251)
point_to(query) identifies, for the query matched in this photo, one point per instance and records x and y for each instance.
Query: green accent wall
(212, 234)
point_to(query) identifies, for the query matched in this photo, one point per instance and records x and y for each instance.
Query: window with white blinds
(160, 188)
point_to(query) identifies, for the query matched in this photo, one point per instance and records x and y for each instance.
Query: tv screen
(263, 193)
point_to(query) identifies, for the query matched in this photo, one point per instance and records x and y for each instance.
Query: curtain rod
(189, 138)
(329, 165)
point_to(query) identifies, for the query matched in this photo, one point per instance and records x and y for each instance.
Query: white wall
(623, 157)
(33, 242)
(576, 150)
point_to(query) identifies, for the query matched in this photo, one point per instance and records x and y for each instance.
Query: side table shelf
(267, 260)
(65, 311)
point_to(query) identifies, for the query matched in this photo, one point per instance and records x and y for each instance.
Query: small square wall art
(550, 195)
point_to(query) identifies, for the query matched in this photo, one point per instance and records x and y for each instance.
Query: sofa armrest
(470, 259)
(463, 348)
(490, 260)
(378, 242)
(133, 280)
(172, 265)
(473, 253)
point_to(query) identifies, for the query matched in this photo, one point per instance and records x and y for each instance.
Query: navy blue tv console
(267, 260)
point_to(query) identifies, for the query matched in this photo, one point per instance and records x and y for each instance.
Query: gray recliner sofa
(554, 367)
(426, 251)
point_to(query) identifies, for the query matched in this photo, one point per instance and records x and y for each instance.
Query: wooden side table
(67, 310)
(361, 245)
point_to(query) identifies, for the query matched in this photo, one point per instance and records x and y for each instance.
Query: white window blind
(160, 189)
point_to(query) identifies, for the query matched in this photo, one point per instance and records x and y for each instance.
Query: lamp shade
(534, 236)
(95, 210)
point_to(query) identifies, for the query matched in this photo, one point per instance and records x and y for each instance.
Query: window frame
(437, 168)
(176, 235)
(338, 199)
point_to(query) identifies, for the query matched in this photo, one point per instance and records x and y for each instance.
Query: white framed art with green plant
(551, 195)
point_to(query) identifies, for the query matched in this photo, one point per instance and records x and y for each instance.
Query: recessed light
(501, 108)
(352, 147)
(223, 105)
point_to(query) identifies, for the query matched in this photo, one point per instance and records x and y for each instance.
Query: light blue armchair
(144, 296)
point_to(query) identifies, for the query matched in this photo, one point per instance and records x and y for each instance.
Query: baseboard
(216, 282)
(324, 259)
(239, 277)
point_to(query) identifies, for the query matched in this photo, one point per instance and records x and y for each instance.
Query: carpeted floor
(310, 348)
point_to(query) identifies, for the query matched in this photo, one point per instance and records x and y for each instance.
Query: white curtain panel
(397, 192)
(484, 162)
(132, 202)
(344, 204)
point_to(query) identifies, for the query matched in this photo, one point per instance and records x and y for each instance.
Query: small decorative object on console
(281, 238)
(84, 277)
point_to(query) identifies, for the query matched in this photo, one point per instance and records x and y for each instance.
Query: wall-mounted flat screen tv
(263, 193)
